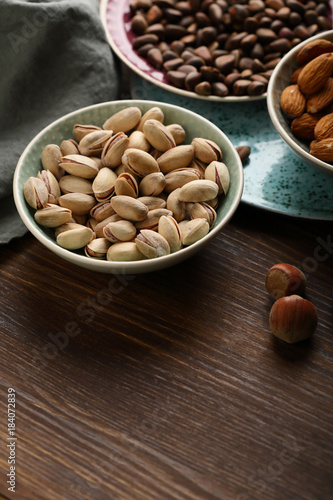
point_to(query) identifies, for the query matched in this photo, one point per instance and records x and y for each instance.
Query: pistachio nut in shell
(158, 135)
(99, 227)
(178, 133)
(139, 162)
(154, 113)
(114, 150)
(75, 238)
(52, 215)
(66, 227)
(52, 185)
(102, 210)
(152, 244)
(138, 140)
(152, 202)
(35, 193)
(97, 248)
(79, 165)
(78, 203)
(122, 230)
(168, 227)
(218, 172)
(51, 158)
(198, 165)
(177, 157)
(126, 184)
(104, 184)
(152, 219)
(92, 223)
(152, 184)
(79, 131)
(206, 150)
(129, 208)
(124, 120)
(177, 207)
(178, 178)
(73, 184)
(194, 230)
(200, 190)
(69, 147)
(203, 211)
(124, 252)
(93, 143)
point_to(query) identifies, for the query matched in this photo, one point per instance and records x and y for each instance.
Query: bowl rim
(119, 266)
(310, 159)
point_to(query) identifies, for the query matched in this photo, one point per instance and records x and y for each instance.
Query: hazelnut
(293, 319)
(284, 279)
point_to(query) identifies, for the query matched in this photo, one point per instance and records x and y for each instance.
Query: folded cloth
(54, 58)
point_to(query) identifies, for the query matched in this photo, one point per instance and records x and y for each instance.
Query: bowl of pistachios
(128, 186)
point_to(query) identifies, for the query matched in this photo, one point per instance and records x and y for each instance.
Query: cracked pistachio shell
(138, 140)
(206, 150)
(154, 113)
(35, 193)
(139, 162)
(73, 184)
(97, 248)
(103, 184)
(177, 207)
(152, 244)
(198, 165)
(79, 165)
(129, 208)
(66, 227)
(79, 131)
(218, 172)
(52, 185)
(200, 190)
(69, 147)
(98, 161)
(51, 159)
(175, 158)
(214, 203)
(203, 211)
(92, 223)
(158, 135)
(80, 219)
(155, 153)
(124, 120)
(180, 177)
(101, 225)
(152, 219)
(152, 202)
(168, 227)
(152, 184)
(93, 143)
(75, 238)
(114, 150)
(121, 230)
(194, 230)
(124, 252)
(52, 215)
(178, 133)
(126, 184)
(78, 203)
(102, 210)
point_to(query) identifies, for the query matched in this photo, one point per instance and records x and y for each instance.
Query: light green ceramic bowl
(195, 126)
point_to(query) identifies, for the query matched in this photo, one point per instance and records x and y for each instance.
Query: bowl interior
(194, 125)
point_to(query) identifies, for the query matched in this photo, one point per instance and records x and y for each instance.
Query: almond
(324, 127)
(315, 74)
(295, 75)
(323, 150)
(313, 49)
(303, 126)
(292, 101)
(318, 101)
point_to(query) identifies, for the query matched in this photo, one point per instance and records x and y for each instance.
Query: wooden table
(169, 385)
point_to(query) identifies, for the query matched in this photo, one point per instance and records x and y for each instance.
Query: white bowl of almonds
(128, 186)
(300, 100)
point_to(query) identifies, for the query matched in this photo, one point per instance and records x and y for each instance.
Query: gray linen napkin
(54, 58)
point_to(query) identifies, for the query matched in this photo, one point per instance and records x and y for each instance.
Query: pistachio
(203, 211)
(52, 215)
(73, 184)
(152, 219)
(200, 190)
(51, 184)
(75, 238)
(194, 230)
(177, 207)
(206, 150)
(139, 162)
(121, 230)
(129, 208)
(154, 113)
(214, 203)
(102, 210)
(152, 184)
(69, 147)
(198, 165)
(79, 131)
(51, 158)
(104, 184)
(101, 225)
(174, 158)
(80, 219)
(114, 150)
(78, 203)
(178, 133)
(124, 252)
(66, 227)
(79, 165)
(97, 249)
(123, 120)
(152, 244)
(168, 227)
(93, 143)
(92, 223)
(152, 202)
(218, 172)
(180, 177)
(158, 135)
(126, 184)
(138, 140)
(35, 192)
(98, 161)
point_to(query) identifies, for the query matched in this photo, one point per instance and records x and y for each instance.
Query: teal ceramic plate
(275, 178)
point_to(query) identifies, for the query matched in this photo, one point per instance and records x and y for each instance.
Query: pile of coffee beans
(223, 47)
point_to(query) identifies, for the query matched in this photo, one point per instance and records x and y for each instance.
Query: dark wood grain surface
(169, 385)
